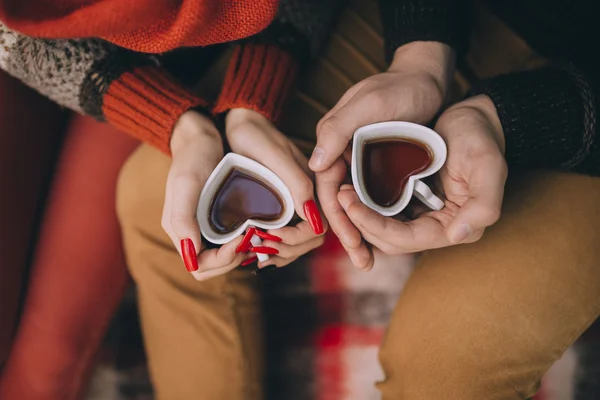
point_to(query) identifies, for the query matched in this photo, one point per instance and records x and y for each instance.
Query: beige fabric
(482, 321)
(485, 321)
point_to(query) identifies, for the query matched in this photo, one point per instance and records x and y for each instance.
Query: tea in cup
(241, 193)
(389, 160)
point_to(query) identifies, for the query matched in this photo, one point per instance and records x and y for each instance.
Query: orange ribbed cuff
(147, 102)
(259, 78)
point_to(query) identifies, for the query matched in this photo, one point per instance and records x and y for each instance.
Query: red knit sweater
(150, 26)
(146, 101)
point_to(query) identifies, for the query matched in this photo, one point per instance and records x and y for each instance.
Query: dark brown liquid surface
(387, 165)
(242, 197)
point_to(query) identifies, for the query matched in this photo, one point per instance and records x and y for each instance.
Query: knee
(447, 356)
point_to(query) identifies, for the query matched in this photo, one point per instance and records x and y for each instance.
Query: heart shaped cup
(214, 183)
(399, 130)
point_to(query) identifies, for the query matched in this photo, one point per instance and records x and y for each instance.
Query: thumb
(289, 168)
(337, 127)
(483, 208)
(302, 189)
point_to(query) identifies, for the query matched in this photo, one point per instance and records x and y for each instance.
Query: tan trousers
(479, 321)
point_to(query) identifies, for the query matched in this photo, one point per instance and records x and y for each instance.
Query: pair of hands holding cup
(413, 89)
(197, 148)
(472, 180)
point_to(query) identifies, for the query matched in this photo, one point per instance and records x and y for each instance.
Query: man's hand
(413, 89)
(472, 179)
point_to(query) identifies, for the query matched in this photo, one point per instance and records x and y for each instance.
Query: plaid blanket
(325, 321)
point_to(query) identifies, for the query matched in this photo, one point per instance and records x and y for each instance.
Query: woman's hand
(413, 89)
(472, 179)
(252, 135)
(197, 148)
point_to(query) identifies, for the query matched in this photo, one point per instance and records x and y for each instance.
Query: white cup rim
(213, 184)
(395, 129)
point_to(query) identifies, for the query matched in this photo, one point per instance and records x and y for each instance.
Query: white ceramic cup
(230, 162)
(414, 185)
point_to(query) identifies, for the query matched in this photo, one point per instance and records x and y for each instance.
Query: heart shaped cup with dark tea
(241, 193)
(389, 161)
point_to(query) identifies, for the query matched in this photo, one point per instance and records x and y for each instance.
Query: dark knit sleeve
(445, 21)
(263, 69)
(549, 117)
(96, 78)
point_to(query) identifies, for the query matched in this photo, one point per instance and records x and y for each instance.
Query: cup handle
(256, 241)
(423, 193)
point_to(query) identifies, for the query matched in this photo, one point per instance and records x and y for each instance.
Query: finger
(294, 235)
(350, 93)
(418, 209)
(211, 273)
(184, 235)
(302, 161)
(347, 198)
(289, 251)
(404, 237)
(166, 218)
(218, 261)
(342, 101)
(362, 256)
(188, 173)
(277, 262)
(486, 191)
(285, 165)
(475, 236)
(222, 256)
(184, 194)
(291, 173)
(347, 156)
(202, 275)
(335, 131)
(328, 186)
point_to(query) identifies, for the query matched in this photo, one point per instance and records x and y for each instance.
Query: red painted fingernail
(264, 250)
(313, 216)
(190, 257)
(245, 244)
(248, 261)
(267, 236)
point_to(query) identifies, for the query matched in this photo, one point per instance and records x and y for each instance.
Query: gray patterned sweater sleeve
(73, 73)
(128, 90)
(97, 78)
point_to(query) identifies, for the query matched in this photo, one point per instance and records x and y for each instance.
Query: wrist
(485, 106)
(238, 116)
(189, 127)
(240, 113)
(433, 58)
